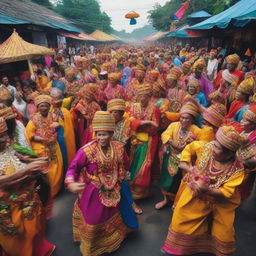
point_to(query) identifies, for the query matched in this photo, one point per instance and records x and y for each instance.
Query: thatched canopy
(102, 36)
(16, 49)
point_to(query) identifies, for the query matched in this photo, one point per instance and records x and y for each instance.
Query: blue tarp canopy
(184, 32)
(200, 14)
(4, 19)
(238, 15)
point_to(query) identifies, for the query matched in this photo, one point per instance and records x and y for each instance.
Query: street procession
(127, 128)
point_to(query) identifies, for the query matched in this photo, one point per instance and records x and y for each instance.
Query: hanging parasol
(132, 16)
(17, 49)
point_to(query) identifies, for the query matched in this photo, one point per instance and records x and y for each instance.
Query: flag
(179, 14)
(248, 53)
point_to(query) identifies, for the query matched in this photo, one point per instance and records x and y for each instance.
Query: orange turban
(89, 92)
(215, 114)
(174, 74)
(115, 76)
(233, 58)
(190, 108)
(144, 89)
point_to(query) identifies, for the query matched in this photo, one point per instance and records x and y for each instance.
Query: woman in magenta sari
(84, 111)
(96, 174)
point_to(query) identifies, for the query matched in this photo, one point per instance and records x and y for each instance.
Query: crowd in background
(107, 123)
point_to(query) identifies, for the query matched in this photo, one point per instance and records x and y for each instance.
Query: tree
(161, 16)
(45, 3)
(86, 14)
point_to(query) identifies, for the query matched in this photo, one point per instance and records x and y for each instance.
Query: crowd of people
(110, 124)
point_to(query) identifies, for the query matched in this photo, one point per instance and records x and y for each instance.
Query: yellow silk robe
(55, 169)
(188, 232)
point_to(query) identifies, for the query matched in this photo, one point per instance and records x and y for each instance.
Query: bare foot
(137, 209)
(161, 204)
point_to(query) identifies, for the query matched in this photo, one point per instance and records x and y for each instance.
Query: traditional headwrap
(154, 73)
(3, 125)
(33, 95)
(5, 94)
(215, 114)
(186, 66)
(59, 85)
(89, 92)
(116, 104)
(227, 76)
(233, 58)
(144, 89)
(115, 76)
(194, 82)
(229, 138)
(103, 121)
(7, 113)
(250, 113)
(174, 74)
(70, 73)
(159, 89)
(217, 96)
(246, 86)
(139, 68)
(199, 63)
(43, 99)
(190, 108)
(82, 60)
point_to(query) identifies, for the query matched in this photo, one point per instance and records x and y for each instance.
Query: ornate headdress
(103, 121)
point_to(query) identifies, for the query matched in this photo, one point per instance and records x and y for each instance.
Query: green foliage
(45, 3)
(161, 16)
(138, 33)
(86, 14)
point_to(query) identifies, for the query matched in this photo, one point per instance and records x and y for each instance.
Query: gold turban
(246, 86)
(116, 104)
(43, 99)
(233, 58)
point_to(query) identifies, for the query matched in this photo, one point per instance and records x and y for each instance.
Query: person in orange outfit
(22, 221)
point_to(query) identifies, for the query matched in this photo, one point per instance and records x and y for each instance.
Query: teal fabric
(4, 19)
(200, 14)
(238, 15)
(166, 179)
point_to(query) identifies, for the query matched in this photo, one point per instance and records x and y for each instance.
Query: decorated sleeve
(80, 161)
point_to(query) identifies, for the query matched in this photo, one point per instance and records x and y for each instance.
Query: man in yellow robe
(211, 194)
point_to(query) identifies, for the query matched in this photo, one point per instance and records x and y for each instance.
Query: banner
(179, 14)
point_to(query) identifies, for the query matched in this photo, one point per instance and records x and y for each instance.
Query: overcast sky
(117, 9)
